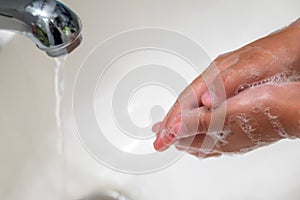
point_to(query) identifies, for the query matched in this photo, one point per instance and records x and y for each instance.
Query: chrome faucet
(52, 26)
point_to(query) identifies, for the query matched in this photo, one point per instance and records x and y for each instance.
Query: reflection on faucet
(52, 26)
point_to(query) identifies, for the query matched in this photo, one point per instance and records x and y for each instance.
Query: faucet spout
(51, 25)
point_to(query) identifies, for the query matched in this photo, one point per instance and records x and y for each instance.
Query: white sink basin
(30, 162)
(5, 37)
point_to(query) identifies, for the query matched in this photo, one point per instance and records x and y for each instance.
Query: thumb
(225, 85)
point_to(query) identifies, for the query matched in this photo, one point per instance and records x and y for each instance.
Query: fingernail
(167, 138)
(170, 136)
(161, 144)
(164, 140)
(180, 130)
(206, 99)
(158, 145)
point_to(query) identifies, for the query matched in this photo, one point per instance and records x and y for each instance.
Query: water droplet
(242, 88)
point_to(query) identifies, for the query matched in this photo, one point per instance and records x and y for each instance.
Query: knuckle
(226, 77)
(222, 57)
(226, 60)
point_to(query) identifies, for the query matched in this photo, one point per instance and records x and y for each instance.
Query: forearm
(294, 29)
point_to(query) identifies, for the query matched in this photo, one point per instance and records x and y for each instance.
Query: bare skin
(253, 90)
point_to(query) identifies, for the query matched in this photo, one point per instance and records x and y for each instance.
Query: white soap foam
(278, 79)
(247, 124)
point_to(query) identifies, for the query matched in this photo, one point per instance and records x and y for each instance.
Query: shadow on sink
(107, 195)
